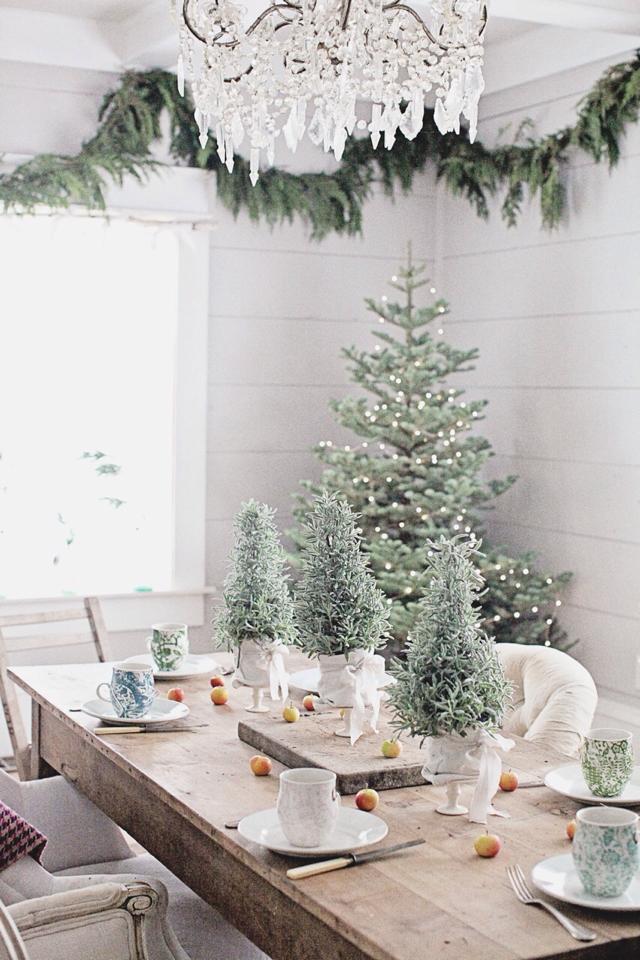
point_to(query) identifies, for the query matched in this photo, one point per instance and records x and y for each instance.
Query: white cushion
(554, 697)
(76, 830)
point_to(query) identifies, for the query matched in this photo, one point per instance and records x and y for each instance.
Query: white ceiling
(528, 38)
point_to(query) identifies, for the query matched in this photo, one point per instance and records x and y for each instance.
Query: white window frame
(183, 198)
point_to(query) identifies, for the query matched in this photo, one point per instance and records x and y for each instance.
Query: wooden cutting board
(311, 742)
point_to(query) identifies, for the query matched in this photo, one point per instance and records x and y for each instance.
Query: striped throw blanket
(18, 838)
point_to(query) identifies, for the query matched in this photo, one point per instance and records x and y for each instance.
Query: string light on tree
(427, 467)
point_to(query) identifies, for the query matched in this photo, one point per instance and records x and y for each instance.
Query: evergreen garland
(451, 680)
(129, 124)
(257, 604)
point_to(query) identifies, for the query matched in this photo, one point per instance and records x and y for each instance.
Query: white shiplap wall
(557, 318)
(282, 307)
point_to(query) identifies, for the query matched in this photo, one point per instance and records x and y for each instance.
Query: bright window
(89, 314)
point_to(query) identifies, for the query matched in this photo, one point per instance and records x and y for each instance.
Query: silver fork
(524, 895)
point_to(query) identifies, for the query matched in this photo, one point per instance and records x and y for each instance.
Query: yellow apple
(488, 845)
(508, 781)
(309, 703)
(291, 713)
(219, 696)
(391, 749)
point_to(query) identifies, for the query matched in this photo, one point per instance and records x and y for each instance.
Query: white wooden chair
(87, 610)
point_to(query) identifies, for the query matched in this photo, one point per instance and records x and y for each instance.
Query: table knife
(351, 860)
(108, 731)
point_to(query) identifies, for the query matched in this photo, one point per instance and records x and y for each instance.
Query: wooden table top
(437, 900)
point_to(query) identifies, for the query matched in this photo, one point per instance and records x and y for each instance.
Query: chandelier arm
(274, 8)
(344, 14)
(189, 25)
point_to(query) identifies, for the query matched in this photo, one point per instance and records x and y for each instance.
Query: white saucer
(354, 829)
(309, 680)
(191, 666)
(569, 781)
(160, 712)
(557, 877)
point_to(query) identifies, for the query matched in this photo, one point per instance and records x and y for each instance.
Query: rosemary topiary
(451, 680)
(338, 605)
(257, 604)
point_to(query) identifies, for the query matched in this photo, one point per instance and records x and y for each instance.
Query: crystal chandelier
(304, 65)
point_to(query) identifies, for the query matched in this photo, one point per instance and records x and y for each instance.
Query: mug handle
(99, 694)
(336, 796)
(148, 643)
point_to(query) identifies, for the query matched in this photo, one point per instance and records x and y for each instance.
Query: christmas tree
(451, 680)
(417, 470)
(339, 608)
(257, 604)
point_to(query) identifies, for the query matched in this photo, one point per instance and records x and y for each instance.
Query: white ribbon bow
(272, 660)
(354, 683)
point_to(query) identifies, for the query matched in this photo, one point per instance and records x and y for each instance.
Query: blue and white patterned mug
(131, 691)
(605, 849)
(169, 645)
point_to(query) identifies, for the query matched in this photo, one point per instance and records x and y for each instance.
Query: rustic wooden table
(174, 793)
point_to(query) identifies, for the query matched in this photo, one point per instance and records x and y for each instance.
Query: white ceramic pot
(261, 666)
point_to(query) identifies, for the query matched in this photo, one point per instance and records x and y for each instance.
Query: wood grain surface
(174, 793)
(311, 742)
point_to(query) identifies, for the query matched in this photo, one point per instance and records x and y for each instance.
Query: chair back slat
(91, 612)
(45, 641)
(43, 616)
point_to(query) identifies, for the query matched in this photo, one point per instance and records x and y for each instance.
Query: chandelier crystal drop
(304, 66)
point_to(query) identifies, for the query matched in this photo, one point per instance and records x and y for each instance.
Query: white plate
(558, 878)
(160, 712)
(192, 666)
(309, 680)
(568, 781)
(355, 829)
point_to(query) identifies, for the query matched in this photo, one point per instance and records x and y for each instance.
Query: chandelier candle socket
(304, 66)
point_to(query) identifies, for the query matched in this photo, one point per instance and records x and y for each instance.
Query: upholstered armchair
(85, 848)
(98, 922)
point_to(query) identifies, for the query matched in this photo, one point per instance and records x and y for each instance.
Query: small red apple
(309, 703)
(260, 766)
(391, 749)
(367, 799)
(176, 693)
(571, 829)
(488, 845)
(216, 682)
(219, 696)
(291, 713)
(508, 781)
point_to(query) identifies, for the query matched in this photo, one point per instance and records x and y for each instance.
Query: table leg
(39, 767)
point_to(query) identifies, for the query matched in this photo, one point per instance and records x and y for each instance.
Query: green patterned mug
(169, 645)
(605, 849)
(607, 761)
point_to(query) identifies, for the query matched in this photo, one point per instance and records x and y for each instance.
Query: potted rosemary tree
(256, 619)
(342, 615)
(450, 690)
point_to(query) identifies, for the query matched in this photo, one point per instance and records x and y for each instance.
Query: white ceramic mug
(605, 849)
(308, 805)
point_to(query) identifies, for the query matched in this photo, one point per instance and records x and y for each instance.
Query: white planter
(261, 666)
(452, 758)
